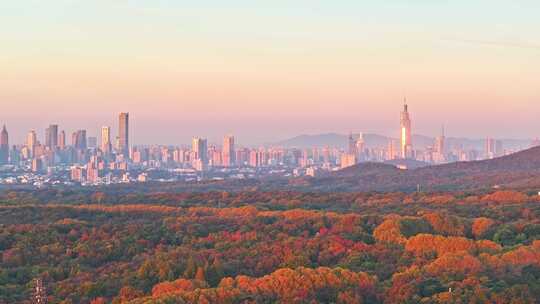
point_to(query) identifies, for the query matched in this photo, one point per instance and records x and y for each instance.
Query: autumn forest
(270, 247)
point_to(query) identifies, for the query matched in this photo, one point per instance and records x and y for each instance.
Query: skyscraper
(440, 143)
(51, 137)
(393, 149)
(229, 153)
(348, 160)
(79, 139)
(360, 146)
(4, 146)
(439, 153)
(489, 149)
(200, 148)
(123, 134)
(493, 148)
(91, 142)
(106, 144)
(351, 144)
(406, 138)
(31, 142)
(62, 140)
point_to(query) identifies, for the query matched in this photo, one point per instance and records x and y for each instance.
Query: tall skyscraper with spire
(123, 134)
(4, 146)
(406, 135)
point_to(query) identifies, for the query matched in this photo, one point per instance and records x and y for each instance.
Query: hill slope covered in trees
(518, 170)
(273, 247)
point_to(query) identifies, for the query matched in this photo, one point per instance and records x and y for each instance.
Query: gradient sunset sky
(268, 70)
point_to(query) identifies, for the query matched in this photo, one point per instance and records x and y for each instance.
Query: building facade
(229, 154)
(4, 146)
(123, 134)
(406, 134)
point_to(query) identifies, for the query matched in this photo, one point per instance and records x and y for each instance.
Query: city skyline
(87, 162)
(97, 131)
(268, 73)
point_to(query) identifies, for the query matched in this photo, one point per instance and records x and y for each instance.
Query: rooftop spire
(405, 104)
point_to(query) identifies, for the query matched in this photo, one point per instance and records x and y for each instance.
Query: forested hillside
(518, 170)
(272, 247)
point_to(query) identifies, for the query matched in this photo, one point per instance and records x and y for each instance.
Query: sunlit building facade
(406, 135)
(123, 134)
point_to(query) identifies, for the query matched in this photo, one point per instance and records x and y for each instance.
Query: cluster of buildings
(114, 160)
(55, 160)
(401, 150)
(396, 149)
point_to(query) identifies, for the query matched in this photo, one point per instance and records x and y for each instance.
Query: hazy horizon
(267, 73)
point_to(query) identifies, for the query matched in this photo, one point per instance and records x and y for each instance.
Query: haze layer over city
(270, 72)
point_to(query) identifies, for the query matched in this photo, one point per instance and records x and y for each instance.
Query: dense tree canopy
(270, 247)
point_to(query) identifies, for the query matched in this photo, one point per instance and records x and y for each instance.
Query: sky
(269, 70)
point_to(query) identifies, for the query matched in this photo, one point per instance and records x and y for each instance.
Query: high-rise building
(92, 142)
(79, 139)
(360, 147)
(440, 143)
(348, 160)
(305, 160)
(242, 156)
(229, 155)
(123, 134)
(326, 155)
(393, 149)
(4, 146)
(51, 137)
(62, 140)
(92, 172)
(106, 144)
(215, 157)
(37, 165)
(254, 160)
(351, 144)
(31, 142)
(200, 148)
(78, 173)
(439, 151)
(48, 137)
(489, 149)
(493, 148)
(406, 136)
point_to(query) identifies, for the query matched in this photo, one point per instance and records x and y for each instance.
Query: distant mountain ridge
(373, 140)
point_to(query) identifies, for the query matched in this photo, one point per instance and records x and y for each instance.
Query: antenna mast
(40, 294)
